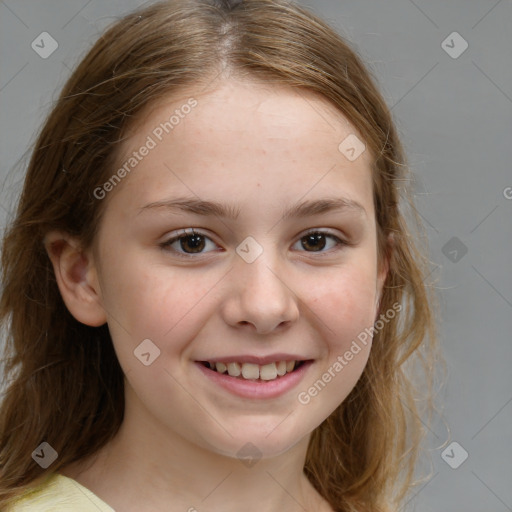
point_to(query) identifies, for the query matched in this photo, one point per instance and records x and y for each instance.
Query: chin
(257, 441)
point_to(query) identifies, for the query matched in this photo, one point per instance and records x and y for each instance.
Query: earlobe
(76, 277)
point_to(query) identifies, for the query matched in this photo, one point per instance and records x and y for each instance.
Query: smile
(251, 371)
(250, 380)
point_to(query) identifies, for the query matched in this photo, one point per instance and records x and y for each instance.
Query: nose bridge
(260, 294)
(263, 278)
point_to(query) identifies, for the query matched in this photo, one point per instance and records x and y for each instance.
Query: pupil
(313, 239)
(194, 242)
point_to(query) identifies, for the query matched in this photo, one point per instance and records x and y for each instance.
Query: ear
(76, 277)
(383, 270)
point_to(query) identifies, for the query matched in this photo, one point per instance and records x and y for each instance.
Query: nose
(259, 298)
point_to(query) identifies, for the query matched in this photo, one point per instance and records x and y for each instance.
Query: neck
(146, 467)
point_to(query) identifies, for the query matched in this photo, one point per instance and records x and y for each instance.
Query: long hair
(63, 383)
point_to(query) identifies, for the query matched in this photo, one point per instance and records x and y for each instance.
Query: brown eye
(192, 243)
(313, 241)
(317, 241)
(188, 244)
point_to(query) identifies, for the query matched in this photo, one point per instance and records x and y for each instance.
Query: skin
(261, 148)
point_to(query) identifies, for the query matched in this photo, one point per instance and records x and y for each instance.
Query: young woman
(210, 290)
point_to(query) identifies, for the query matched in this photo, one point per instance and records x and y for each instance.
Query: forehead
(238, 138)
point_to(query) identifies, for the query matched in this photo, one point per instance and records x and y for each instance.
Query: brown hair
(64, 384)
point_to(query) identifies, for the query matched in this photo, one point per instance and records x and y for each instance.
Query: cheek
(344, 301)
(156, 303)
(343, 307)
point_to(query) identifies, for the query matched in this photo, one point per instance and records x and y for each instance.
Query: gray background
(454, 115)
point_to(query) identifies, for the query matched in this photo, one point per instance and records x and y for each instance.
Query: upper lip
(256, 359)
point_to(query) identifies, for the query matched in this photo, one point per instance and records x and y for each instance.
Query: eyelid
(340, 241)
(182, 233)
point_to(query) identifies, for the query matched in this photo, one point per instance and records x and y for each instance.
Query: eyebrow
(232, 211)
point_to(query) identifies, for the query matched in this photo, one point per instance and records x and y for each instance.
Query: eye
(317, 241)
(188, 243)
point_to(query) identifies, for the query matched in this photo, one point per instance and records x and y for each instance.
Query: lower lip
(260, 389)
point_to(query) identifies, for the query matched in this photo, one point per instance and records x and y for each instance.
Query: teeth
(221, 367)
(234, 369)
(281, 368)
(252, 371)
(268, 372)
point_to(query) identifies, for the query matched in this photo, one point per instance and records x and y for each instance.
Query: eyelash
(166, 246)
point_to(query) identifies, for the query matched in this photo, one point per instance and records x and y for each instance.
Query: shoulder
(59, 493)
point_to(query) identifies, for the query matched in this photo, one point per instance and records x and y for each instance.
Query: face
(243, 237)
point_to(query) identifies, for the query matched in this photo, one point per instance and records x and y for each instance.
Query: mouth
(250, 380)
(254, 372)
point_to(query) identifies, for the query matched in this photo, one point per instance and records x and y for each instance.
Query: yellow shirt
(60, 493)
